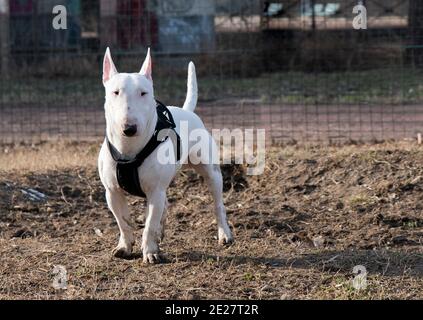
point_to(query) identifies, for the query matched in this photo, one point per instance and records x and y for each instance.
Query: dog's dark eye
(143, 94)
(116, 93)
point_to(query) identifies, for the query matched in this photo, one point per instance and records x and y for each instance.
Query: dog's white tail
(192, 89)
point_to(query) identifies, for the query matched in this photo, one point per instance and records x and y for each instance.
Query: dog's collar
(164, 121)
(127, 170)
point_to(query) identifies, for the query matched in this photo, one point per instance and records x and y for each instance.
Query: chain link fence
(299, 69)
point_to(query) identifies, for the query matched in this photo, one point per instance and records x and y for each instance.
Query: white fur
(128, 107)
(192, 90)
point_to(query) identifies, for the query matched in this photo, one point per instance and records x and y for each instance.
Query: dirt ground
(300, 228)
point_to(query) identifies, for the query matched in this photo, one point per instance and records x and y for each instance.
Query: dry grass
(55, 155)
(362, 202)
(48, 156)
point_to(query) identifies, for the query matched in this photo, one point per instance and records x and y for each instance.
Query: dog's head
(130, 100)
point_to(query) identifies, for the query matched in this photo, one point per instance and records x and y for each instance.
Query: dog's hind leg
(119, 206)
(213, 177)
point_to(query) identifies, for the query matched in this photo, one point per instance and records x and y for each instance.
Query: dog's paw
(151, 258)
(122, 252)
(225, 238)
(150, 252)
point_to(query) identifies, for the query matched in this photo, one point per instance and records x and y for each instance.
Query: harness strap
(127, 170)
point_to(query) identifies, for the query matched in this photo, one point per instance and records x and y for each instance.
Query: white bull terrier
(131, 118)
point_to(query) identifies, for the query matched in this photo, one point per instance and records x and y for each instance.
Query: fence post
(415, 27)
(4, 38)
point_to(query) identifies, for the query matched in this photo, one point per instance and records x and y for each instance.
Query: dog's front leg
(152, 232)
(119, 206)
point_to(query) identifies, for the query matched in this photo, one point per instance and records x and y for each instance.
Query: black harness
(127, 170)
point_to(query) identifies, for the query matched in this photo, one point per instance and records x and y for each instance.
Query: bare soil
(300, 229)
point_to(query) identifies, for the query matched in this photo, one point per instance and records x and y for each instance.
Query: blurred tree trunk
(415, 29)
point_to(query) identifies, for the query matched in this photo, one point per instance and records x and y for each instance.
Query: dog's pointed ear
(109, 69)
(147, 66)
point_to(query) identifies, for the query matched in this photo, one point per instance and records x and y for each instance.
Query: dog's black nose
(130, 130)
